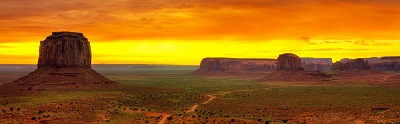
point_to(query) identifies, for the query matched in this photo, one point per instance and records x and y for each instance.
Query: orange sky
(185, 31)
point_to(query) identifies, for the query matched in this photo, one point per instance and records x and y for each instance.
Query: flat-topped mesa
(351, 65)
(289, 61)
(65, 49)
(387, 63)
(235, 66)
(390, 58)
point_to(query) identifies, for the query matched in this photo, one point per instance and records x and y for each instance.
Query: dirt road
(385, 78)
(164, 118)
(209, 99)
(194, 107)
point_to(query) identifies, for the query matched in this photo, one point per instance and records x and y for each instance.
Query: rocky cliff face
(289, 61)
(316, 64)
(65, 49)
(386, 64)
(64, 63)
(355, 64)
(235, 66)
(379, 64)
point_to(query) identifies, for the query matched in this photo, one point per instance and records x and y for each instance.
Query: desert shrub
(169, 118)
(41, 111)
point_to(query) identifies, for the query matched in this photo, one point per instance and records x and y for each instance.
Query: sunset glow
(184, 32)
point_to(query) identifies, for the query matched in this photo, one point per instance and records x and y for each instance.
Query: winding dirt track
(164, 119)
(209, 99)
(194, 107)
(384, 79)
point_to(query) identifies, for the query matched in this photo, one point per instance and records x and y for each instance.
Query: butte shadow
(64, 63)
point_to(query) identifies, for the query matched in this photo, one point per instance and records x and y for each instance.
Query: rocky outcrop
(386, 64)
(235, 66)
(351, 65)
(289, 69)
(390, 63)
(65, 49)
(316, 64)
(289, 61)
(64, 63)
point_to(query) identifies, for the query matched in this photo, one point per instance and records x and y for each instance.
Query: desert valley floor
(173, 94)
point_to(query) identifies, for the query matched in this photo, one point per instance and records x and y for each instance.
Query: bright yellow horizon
(184, 32)
(191, 53)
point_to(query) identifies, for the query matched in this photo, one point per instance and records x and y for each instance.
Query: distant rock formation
(235, 66)
(387, 64)
(316, 64)
(316, 60)
(289, 69)
(370, 60)
(355, 64)
(289, 61)
(64, 63)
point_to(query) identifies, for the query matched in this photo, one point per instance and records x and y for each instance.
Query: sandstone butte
(64, 63)
(289, 61)
(289, 69)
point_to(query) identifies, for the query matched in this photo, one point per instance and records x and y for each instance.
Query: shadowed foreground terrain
(173, 94)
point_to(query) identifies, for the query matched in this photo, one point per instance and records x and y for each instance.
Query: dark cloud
(306, 40)
(328, 42)
(325, 49)
(2, 46)
(381, 44)
(371, 43)
(361, 42)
